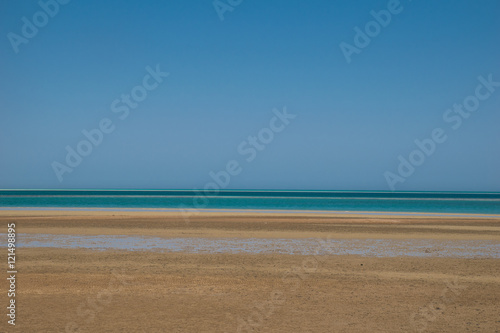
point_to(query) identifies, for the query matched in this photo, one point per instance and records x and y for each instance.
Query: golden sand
(78, 290)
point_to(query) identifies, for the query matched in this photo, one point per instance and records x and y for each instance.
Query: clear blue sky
(226, 77)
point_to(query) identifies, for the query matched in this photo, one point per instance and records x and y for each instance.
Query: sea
(329, 201)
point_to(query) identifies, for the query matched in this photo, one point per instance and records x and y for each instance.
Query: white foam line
(248, 197)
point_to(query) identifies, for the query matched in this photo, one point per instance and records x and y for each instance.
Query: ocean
(342, 201)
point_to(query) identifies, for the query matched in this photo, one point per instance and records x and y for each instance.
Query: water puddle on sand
(308, 246)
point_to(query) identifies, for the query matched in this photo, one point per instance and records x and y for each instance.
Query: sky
(299, 95)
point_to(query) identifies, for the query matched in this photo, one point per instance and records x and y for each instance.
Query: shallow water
(380, 201)
(308, 246)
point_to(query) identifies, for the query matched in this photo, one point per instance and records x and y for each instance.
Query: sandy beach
(331, 290)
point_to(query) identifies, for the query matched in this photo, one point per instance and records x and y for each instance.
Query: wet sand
(85, 290)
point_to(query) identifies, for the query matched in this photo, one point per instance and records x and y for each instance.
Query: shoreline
(186, 213)
(253, 224)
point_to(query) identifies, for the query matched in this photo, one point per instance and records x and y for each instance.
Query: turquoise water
(431, 202)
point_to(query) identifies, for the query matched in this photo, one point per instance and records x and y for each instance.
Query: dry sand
(78, 290)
